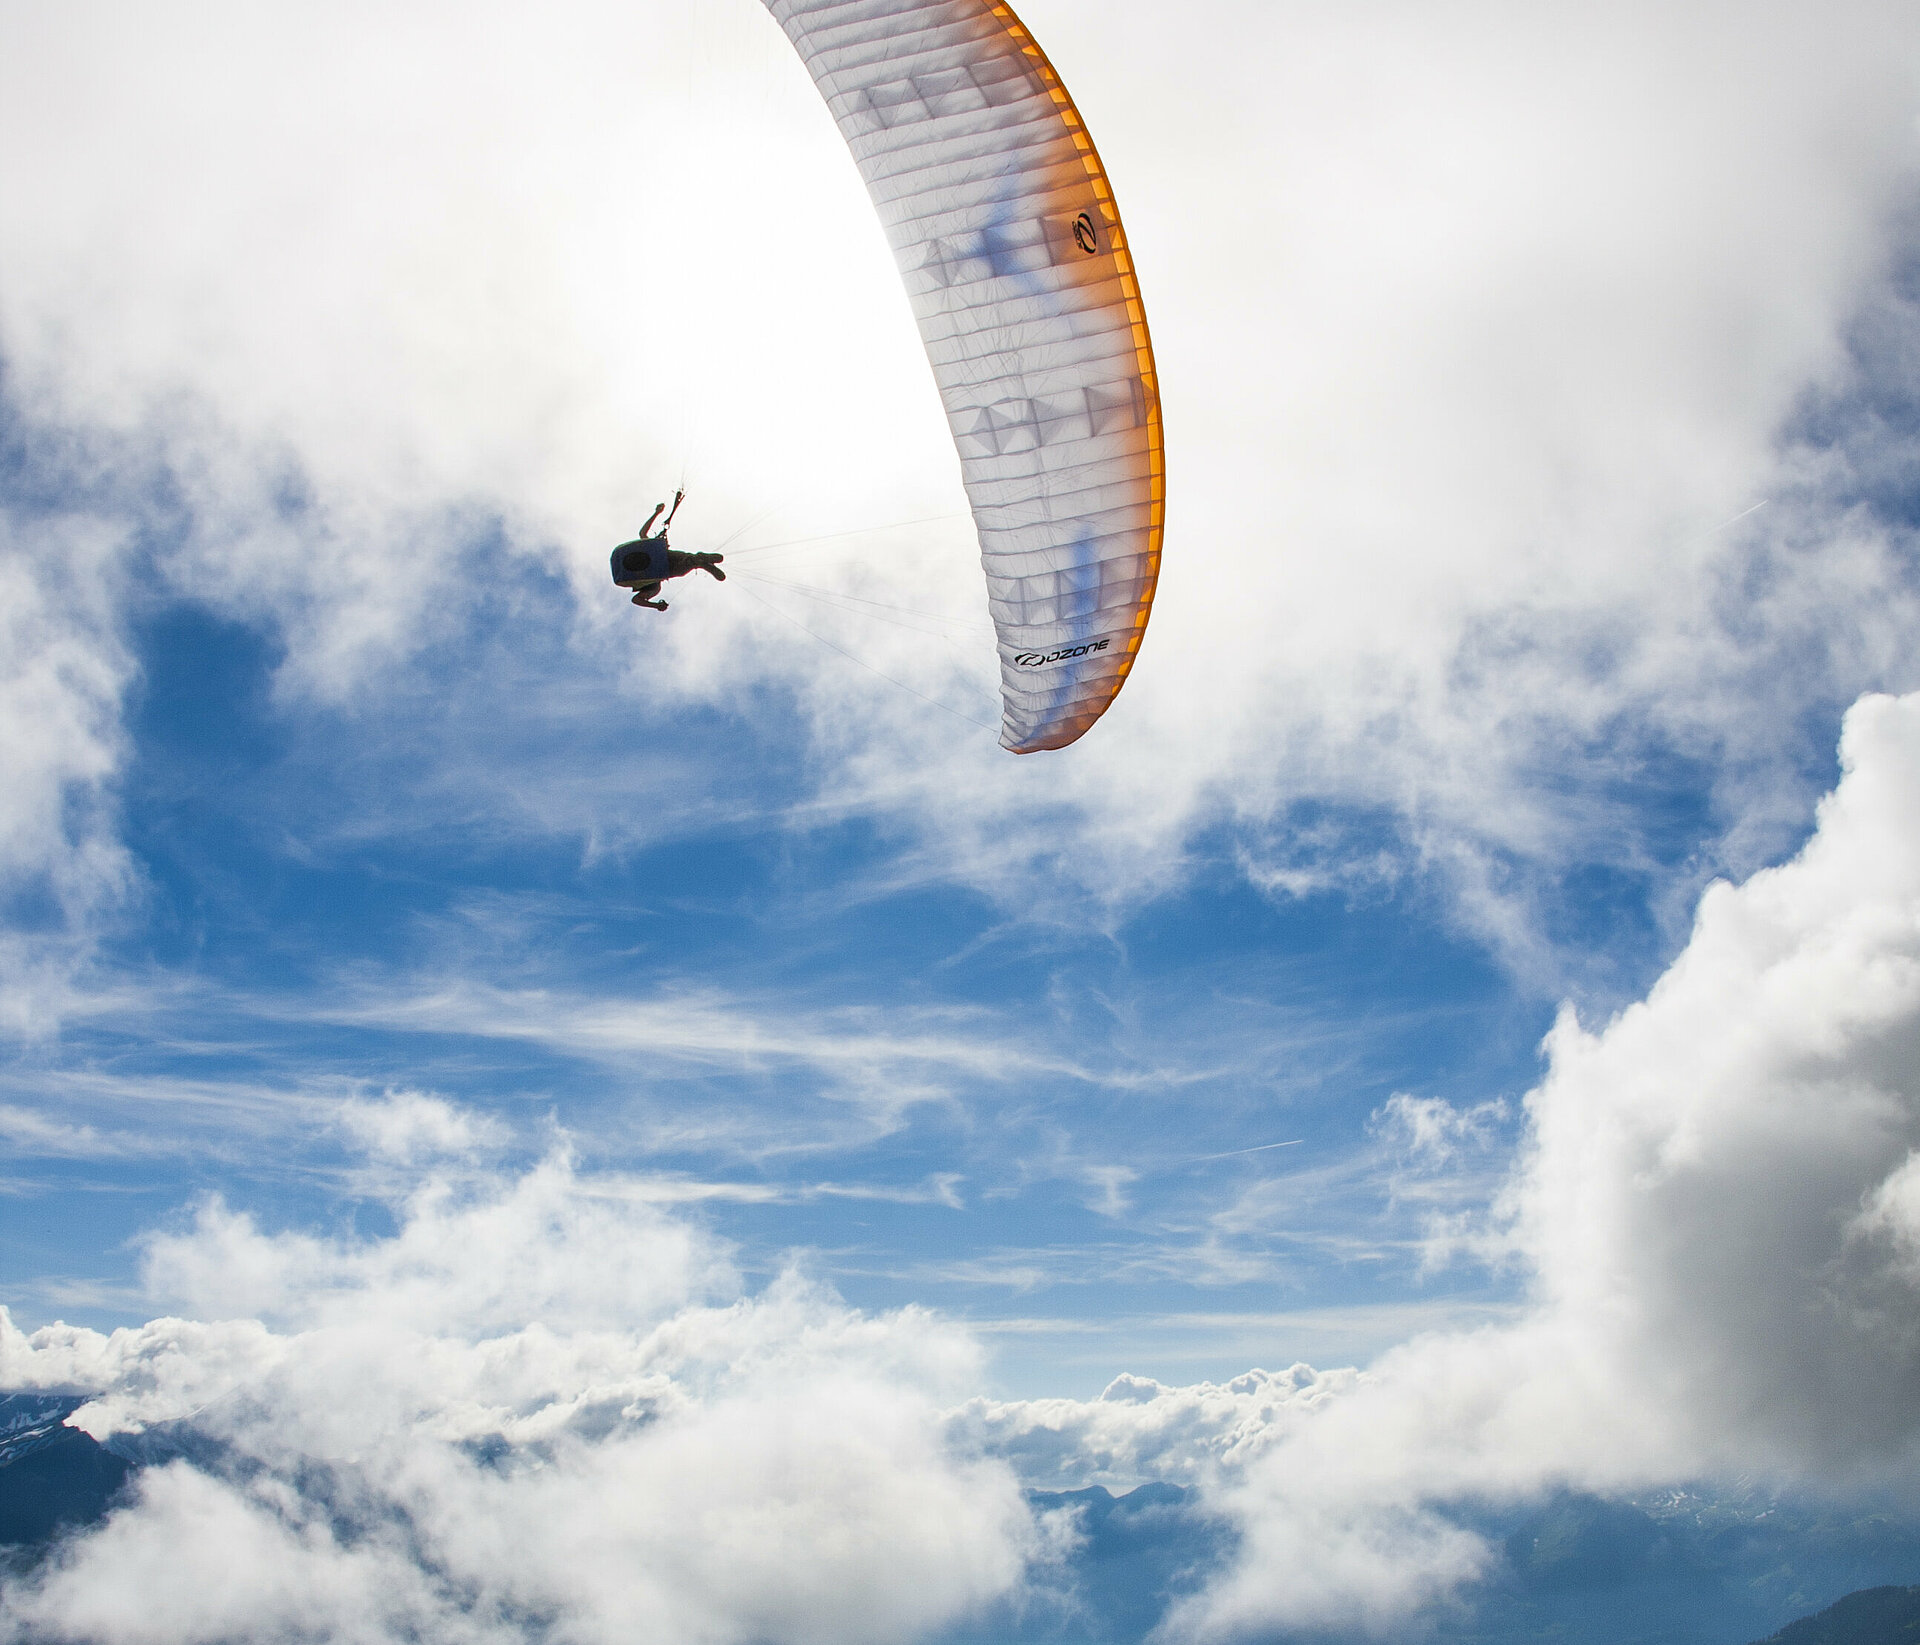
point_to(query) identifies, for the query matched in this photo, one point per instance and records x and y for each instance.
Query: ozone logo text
(1040, 659)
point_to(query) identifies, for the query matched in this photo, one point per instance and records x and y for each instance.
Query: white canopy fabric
(1008, 239)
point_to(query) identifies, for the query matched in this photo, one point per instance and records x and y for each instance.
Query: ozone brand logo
(1085, 235)
(1040, 659)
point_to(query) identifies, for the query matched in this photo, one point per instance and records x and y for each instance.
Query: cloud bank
(538, 1405)
(1715, 1205)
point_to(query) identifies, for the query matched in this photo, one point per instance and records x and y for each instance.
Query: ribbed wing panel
(1016, 265)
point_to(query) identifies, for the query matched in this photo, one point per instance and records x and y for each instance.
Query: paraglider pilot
(645, 563)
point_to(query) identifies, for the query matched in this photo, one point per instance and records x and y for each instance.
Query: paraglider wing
(1005, 229)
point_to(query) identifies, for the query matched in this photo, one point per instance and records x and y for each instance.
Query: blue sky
(1063, 1129)
(449, 1009)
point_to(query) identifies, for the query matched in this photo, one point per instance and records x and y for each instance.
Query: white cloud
(1716, 1204)
(409, 1128)
(1446, 1161)
(1140, 1429)
(1701, 1168)
(64, 670)
(705, 1026)
(871, 1065)
(537, 1399)
(1432, 1131)
(1475, 332)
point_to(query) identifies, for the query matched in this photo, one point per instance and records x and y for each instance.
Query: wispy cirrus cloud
(705, 1027)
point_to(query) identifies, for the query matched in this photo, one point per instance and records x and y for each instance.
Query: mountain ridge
(1870, 1616)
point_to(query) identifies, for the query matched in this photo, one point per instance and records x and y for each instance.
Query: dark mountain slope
(1874, 1616)
(50, 1475)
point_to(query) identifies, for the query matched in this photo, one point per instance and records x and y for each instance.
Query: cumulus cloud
(1707, 1172)
(409, 1127)
(1140, 1430)
(538, 1402)
(1716, 1207)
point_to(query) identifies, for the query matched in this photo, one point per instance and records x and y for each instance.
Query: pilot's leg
(684, 563)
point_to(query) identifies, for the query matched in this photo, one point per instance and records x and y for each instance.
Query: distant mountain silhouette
(1141, 1550)
(50, 1475)
(1874, 1616)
